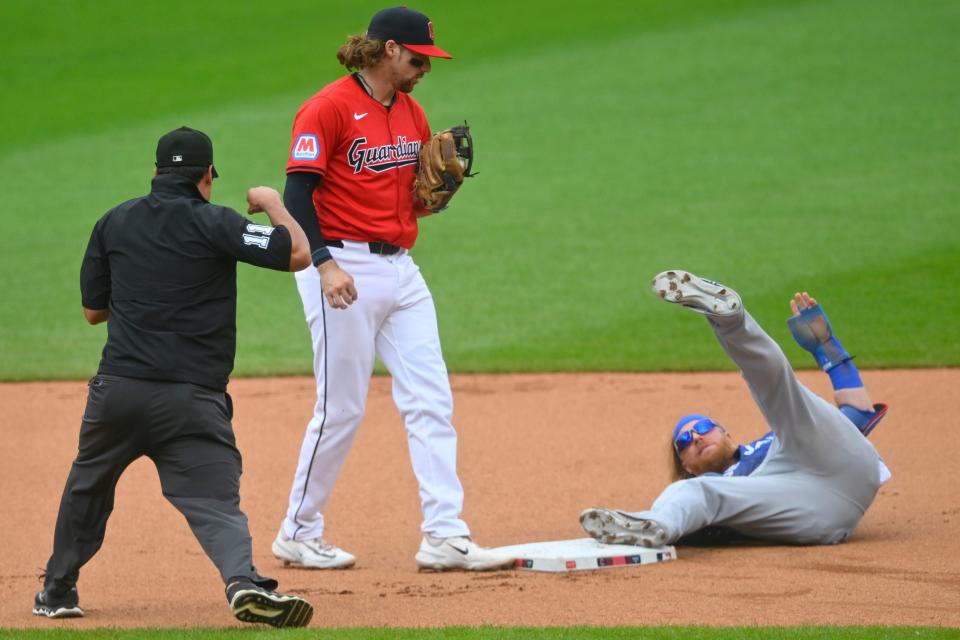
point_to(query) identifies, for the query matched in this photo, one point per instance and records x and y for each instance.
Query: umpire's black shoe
(54, 606)
(250, 603)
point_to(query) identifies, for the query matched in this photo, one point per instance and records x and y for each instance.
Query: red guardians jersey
(367, 157)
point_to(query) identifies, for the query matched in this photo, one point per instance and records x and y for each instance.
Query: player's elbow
(95, 316)
(299, 259)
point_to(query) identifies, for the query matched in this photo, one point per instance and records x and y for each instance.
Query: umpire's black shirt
(166, 267)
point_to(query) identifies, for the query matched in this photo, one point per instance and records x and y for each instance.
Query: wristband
(320, 255)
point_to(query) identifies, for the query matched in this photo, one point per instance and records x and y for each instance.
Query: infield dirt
(534, 451)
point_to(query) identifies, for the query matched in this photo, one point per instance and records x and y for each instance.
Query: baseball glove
(445, 160)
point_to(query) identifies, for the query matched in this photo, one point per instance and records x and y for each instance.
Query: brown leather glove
(445, 160)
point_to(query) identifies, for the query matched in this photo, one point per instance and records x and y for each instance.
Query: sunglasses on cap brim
(701, 427)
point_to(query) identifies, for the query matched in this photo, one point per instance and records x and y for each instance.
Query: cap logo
(430, 30)
(307, 147)
(177, 158)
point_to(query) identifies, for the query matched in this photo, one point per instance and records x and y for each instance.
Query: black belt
(378, 248)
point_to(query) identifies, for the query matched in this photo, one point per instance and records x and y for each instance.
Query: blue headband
(690, 417)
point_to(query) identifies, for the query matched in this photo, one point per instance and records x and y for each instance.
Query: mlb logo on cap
(307, 147)
(185, 147)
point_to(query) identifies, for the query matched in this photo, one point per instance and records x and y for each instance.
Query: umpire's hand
(263, 199)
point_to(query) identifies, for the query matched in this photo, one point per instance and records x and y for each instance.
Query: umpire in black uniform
(161, 271)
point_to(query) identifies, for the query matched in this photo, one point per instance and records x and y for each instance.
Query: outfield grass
(512, 633)
(773, 145)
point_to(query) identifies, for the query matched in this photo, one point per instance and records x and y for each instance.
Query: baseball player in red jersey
(350, 180)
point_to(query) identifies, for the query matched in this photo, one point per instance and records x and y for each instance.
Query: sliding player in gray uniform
(809, 481)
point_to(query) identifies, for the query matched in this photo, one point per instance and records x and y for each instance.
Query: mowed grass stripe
(775, 147)
(713, 169)
(93, 66)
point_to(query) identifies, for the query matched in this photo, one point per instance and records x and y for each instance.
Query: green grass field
(774, 145)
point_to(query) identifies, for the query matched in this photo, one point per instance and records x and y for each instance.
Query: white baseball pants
(394, 319)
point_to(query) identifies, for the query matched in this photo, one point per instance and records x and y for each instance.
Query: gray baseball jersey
(819, 475)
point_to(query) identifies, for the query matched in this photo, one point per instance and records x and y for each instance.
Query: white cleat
(616, 527)
(311, 554)
(701, 295)
(458, 554)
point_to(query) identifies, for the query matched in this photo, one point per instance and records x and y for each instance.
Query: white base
(583, 554)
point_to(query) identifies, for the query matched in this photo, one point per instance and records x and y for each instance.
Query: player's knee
(214, 480)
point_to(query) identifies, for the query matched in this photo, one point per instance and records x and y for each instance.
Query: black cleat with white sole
(250, 603)
(48, 604)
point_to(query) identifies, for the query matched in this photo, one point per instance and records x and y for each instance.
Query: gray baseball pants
(818, 479)
(185, 429)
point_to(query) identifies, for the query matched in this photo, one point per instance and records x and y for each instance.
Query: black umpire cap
(185, 147)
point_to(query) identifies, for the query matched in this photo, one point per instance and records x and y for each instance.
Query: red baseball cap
(407, 27)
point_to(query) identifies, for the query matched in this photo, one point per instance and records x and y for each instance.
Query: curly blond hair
(361, 52)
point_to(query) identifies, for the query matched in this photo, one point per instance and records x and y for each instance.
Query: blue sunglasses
(702, 427)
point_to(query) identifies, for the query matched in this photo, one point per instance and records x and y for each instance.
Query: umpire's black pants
(185, 429)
